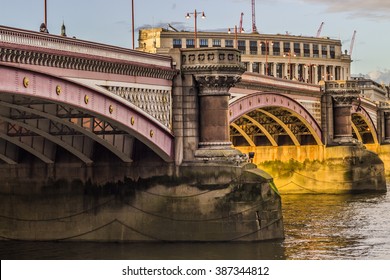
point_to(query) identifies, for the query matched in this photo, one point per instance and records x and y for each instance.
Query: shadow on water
(140, 251)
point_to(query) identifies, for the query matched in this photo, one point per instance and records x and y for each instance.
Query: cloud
(377, 10)
(380, 76)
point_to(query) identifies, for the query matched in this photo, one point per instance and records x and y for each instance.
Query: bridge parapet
(46, 41)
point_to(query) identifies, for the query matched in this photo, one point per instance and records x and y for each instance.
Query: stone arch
(107, 107)
(258, 101)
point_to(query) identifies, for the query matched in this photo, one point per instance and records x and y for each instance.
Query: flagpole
(132, 20)
(46, 14)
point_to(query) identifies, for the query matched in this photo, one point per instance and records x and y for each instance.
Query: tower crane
(254, 28)
(320, 29)
(352, 43)
(241, 18)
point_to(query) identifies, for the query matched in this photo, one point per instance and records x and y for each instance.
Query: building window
(190, 43)
(324, 50)
(276, 48)
(177, 43)
(229, 43)
(204, 43)
(297, 49)
(306, 50)
(286, 47)
(216, 42)
(256, 67)
(332, 52)
(265, 48)
(241, 46)
(253, 47)
(315, 51)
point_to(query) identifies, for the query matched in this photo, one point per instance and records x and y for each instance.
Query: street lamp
(266, 43)
(235, 36)
(132, 21)
(289, 54)
(195, 13)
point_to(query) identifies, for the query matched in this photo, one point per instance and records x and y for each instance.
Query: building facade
(307, 59)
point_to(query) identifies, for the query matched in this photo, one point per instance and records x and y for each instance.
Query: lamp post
(235, 36)
(266, 43)
(289, 54)
(195, 13)
(132, 21)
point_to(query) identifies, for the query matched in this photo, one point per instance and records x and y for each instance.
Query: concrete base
(205, 202)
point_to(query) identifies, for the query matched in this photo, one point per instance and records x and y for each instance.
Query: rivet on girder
(26, 82)
(86, 99)
(58, 89)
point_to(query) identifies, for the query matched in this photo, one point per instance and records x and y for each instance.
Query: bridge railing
(48, 41)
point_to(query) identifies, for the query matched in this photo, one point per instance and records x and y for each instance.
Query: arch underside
(363, 129)
(35, 123)
(271, 126)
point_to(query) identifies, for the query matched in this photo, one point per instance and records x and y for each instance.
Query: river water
(322, 227)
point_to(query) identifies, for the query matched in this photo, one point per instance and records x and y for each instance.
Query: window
(190, 43)
(241, 46)
(332, 52)
(229, 43)
(177, 43)
(297, 49)
(255, 67)
(265, 47)
(324, 50)
(315, 51)
(204, 43)
(276, 48)
(286, 47)
(216, 42)
(253, 47)
(306, 50)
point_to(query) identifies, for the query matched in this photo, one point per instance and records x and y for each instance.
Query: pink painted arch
(250, 102)
(107, 107)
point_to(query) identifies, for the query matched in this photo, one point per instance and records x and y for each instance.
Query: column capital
(344, 93)
(216, 84)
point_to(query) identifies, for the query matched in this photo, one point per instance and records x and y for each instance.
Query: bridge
(175, 134)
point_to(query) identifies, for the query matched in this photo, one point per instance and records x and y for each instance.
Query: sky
(109, 21)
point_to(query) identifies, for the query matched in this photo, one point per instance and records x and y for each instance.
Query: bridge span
(124, 145)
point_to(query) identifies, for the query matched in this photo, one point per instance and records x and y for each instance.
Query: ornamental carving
(215, 59)
(83, 64)
(344, 100)
(216, 84)
(156, 103)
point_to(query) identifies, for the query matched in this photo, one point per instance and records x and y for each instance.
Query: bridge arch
(363, 126)
(34, 104)
(280, 115)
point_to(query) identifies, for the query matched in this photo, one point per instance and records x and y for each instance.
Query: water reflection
(337, 226)
(316, 227)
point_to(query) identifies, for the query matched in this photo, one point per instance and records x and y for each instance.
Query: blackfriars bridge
(179, 132)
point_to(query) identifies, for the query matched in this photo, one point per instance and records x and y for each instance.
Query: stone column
(387, 127)
(343, 93)
(215, 71)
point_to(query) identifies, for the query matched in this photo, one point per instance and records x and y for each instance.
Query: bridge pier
(208, 74)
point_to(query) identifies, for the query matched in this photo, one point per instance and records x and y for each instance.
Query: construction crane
(320, 29)
(254, 28)
(352, 43)
(241, 18)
